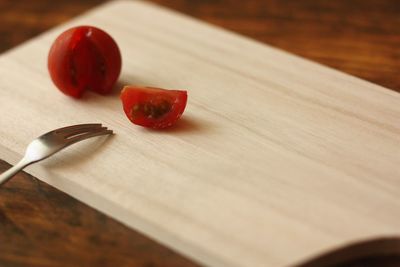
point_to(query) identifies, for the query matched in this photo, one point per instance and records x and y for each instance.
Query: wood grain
(327, 126)
(41, 226)
(358, 37)
(254, 20)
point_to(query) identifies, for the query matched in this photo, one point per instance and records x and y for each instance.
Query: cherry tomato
(153, 107)
(84, 58)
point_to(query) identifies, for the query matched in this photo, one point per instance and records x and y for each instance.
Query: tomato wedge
(152, 107)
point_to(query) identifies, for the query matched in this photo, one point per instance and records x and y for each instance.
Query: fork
(50, 143)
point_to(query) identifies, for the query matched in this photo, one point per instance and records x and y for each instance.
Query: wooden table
(40, 226)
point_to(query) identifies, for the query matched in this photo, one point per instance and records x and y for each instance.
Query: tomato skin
(164, 107)
(83, 58)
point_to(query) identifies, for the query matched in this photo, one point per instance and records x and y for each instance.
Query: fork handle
(8, 174)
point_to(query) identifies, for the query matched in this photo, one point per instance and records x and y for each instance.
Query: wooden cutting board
(275, 161)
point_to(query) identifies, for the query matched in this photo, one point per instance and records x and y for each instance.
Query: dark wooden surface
(40, 226)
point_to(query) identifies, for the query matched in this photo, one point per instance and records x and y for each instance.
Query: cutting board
(276, 161)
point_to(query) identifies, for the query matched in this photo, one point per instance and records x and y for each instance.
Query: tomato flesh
(84, 58)
(153, 107)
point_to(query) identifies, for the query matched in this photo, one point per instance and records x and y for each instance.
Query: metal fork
(50, 143)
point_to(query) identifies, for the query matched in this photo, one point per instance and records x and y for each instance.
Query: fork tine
(76, 127)
(80, 131)
(88, 135)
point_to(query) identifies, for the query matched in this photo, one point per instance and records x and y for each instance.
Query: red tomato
(84, 58)
(153, 107)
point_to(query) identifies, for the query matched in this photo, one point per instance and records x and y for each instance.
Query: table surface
(41, 226)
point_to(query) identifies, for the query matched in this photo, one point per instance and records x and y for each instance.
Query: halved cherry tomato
(83, 58)
(153, 107)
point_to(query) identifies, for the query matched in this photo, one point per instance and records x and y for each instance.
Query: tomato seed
(151, 111)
